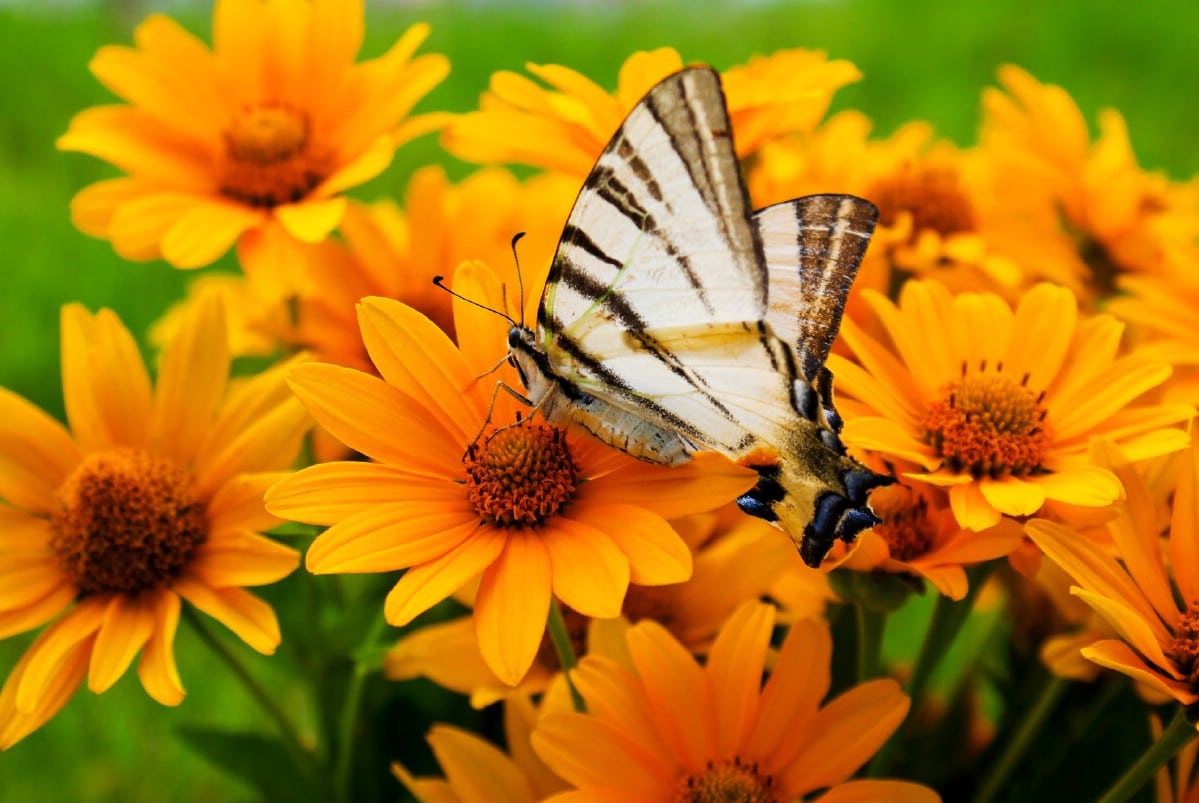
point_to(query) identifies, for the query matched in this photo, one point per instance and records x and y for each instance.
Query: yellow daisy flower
(477, 770)
(670, 729)
(465, 485)
(939, 210)
(564, 128)
(251, 143)
(920, 536)
(152, 497)
(735, 557)
(1122, 218)
(999, 405)
(1150, 596)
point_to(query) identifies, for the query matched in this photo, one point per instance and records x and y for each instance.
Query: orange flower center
(932, 195)
(906, 526)
(728, 780)
(989, 425)
(269, 157)
(1184, 649)
(521, 474)
(126, 521)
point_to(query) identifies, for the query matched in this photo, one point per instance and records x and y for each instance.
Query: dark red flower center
(1184, 649)
(907, 527)
(725, 781)
(126, 521)
(520, 475)
(931, 195)
(989, 425)
(270, 158)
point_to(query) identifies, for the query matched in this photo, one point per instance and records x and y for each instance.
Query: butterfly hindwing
(813, 246)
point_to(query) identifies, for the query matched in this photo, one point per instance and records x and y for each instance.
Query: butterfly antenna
(439, 280)
(520, 281)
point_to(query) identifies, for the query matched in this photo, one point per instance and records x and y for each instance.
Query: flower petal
(191, 380)
(792, 696)
(596, 756)
(1012, 496)
(846, 733)
(242, 559)
(656, 553)
(590, 573)
(971, 508)
(703, 483)
(36, 454)
(330, 492)
(678, 693)
(157, 670)
(425, 585)
(128, 624)
(512, 605)
(106, 388)
(59, 680)
(311, 221)
(384, 538)
(203, 233)
(734, 669)
(238, 504)
(478, 771)
(1119, 656)
(252, 619)
(56, 645)
(869, 791)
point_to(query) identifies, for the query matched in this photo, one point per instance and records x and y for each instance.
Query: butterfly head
(530, 362)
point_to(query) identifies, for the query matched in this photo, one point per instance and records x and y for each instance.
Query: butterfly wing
(813, 247)
(656, 298)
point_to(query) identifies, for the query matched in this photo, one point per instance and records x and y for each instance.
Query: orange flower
(670, 729)
(566, 127)
(153, 497)
(251, 143)
(1150, 597)
(1122, 217)
(463, 486)
(999, 405)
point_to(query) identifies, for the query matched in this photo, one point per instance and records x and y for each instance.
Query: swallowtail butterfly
(675, 319)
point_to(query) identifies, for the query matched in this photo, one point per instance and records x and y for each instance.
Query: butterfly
(674, 319)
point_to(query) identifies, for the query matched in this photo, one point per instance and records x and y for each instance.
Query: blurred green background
(922, 59)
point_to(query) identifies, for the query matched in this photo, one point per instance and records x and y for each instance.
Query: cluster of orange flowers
(1018, 352)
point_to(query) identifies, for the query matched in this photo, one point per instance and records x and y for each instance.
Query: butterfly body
(675, 320)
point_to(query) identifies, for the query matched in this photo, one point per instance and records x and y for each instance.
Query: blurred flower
(670, 729)
(999, 405)
(940, 212)
(477, 770)
(1160, 310)
(1150, 595)
(920, 536)
(155, 495)
(565, 128)
(735, 557)
(1122, 218)
(252, 142)
(532, 508)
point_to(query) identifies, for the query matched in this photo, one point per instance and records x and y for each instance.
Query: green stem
(366, 663)
(1034, 717)
(870, 625)
(1180, 731)
(304, 760)
(560, 636)
(947, 620)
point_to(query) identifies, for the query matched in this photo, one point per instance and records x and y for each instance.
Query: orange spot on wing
(760, 457)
